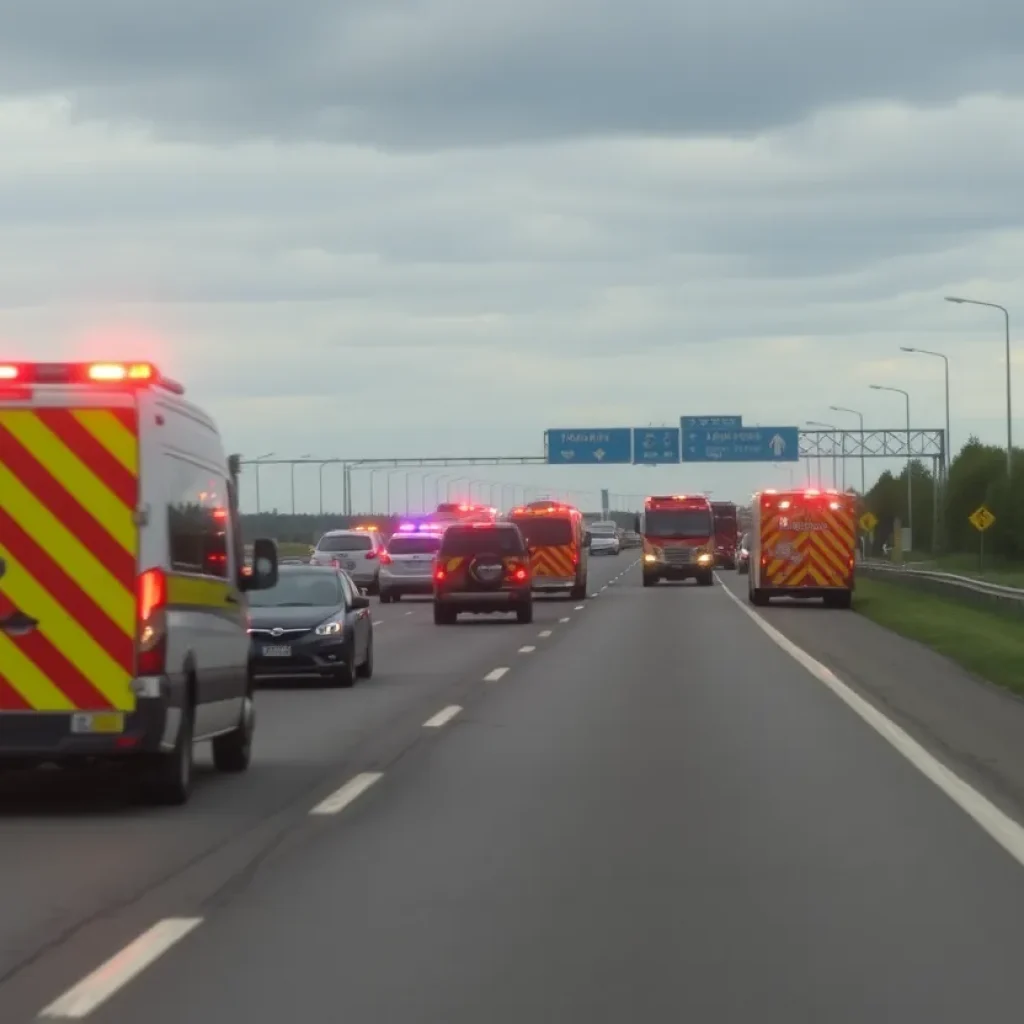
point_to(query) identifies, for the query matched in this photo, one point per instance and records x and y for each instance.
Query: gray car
(407, 567)
(358, 552)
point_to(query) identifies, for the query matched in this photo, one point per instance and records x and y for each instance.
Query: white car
(604, 539)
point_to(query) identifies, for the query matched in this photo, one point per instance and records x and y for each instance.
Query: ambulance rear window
(542, 532)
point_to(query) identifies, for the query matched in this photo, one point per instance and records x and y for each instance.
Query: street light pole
(863, 468)
(301, 457)
(269, 455)
(1009, 407)
(910, 464)
(945, 359)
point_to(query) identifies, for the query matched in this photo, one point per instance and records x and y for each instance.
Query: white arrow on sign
(599, 454)
(567, 455)
(777, 445)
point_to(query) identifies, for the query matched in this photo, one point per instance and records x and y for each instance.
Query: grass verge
(286, 549)
(985, 643)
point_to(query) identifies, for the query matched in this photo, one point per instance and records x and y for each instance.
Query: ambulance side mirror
(263, 575)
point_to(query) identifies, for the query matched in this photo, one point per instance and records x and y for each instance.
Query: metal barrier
(949, 585)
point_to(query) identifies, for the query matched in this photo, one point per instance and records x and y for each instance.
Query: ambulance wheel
(167, 778)
(579, 592)
(232, 752)
(650, 579)
(524, 613)
(844, 599)
(385, 597)
(759, 598)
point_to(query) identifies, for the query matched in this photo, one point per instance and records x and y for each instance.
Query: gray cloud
(444, 72)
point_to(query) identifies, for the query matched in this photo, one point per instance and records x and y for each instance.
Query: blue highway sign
(655, 445)
(747, 444)
(711, 422)
(597, 446)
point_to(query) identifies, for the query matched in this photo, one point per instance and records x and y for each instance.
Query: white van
(123, 623)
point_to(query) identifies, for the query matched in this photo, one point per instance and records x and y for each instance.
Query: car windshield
(422, 545)
(542, 532)
(345, 542)
(300, 589)
(469, 541)
(678, 523)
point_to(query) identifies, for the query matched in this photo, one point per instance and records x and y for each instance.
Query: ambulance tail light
(151, 618)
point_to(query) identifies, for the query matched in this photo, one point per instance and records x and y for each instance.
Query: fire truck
(803, 544)
(678, 536)
(556, 537)
(726, 533)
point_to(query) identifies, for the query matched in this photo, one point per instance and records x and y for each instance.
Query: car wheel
(443, 616)
(232, 752)
(524, 614)
(385, 597)
(365, 671)
(167, 781)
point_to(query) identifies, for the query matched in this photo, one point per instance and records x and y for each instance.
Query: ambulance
(556, 538)
(803, 544)
(123, 618)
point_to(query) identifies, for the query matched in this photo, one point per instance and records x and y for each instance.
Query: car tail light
(440, 574)
(151, 613)
(385, 558)
(520, 574)
(370, 554)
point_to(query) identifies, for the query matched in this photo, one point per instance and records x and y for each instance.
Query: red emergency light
(129, 374)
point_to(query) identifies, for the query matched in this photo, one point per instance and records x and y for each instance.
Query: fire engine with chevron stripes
(556, 537)
(803, 545)
(678, 534)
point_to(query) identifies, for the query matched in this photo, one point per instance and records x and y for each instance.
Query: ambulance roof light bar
(130, 374)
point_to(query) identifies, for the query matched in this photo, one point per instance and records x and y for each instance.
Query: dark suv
(482, 567)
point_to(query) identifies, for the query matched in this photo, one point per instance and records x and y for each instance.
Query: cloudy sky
(398, 228)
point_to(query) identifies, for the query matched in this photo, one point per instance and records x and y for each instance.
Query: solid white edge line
(352, 790)
(1002, 828)
(443, 717)
(494, 675)
(527, 650)
(96, 988)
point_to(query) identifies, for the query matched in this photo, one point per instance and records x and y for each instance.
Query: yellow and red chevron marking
(553, 561)
(824, 555)
(69, 544)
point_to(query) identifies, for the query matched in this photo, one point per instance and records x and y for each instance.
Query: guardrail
(946, 584)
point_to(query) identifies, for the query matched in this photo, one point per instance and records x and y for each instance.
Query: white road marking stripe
(544, 632)
(527, 650)
(595, 595)
(566, 619)
(494, 675)
(379, 622)
(1003, 829)
(352, 790)
(96, 988)
(443, 716)
(408, 613)
(579, 607)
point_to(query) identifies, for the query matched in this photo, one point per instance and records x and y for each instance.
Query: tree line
(941, 510)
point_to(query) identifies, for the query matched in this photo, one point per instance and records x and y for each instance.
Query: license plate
(103, 724)
(277, 651)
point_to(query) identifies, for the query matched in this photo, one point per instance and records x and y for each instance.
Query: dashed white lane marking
(527, 650)
(352, 790)
(494, 675)
(408, 613)
(443, 717)
(1003, 829)
(378, 622)
(96, 988)
(596, 595)
(566, 619)
(579, 607)
(544, 632)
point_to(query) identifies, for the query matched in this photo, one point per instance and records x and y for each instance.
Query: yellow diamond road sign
(981, 519)
(868, 522)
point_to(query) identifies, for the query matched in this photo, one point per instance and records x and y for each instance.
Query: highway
(644, 808)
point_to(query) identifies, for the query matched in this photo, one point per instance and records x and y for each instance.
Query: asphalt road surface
(655, 813)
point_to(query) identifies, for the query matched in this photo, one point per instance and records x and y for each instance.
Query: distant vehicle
(556, 537)
(743, 555)
(357, 551)
(313, 623)
(604, 538)
(123, 630)
(726, 533)
(407, 563)
(482, 568)
(804, 545)
(678, 539)
(630, 539)
(462, 512)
